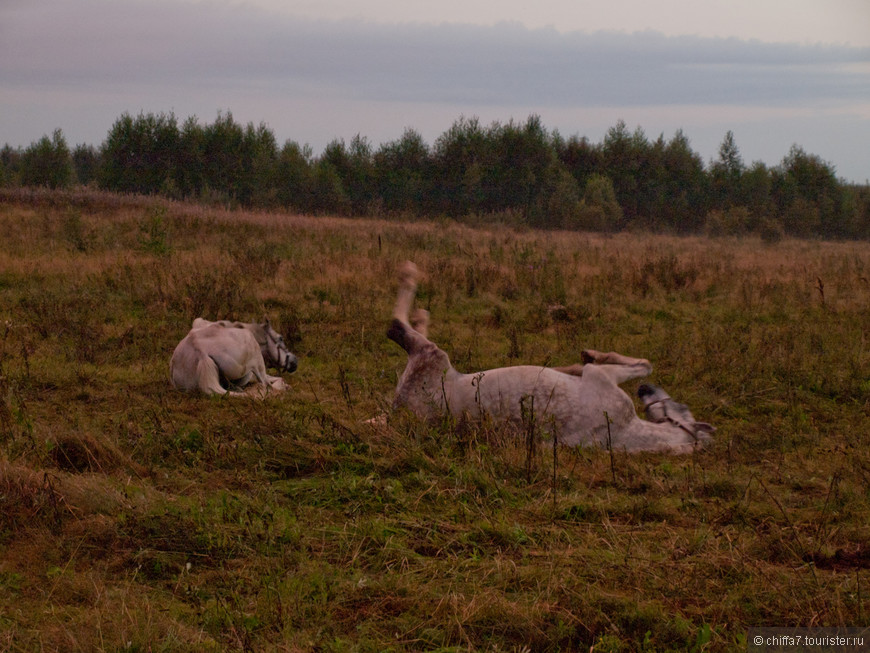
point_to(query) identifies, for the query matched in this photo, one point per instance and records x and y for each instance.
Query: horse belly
(522, 395)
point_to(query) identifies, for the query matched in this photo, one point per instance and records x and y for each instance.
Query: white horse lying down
(569, 403)
(235, 352)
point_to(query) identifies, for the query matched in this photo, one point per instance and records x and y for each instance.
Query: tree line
(518, 172)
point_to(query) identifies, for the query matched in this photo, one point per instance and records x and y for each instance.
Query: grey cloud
(95, 43)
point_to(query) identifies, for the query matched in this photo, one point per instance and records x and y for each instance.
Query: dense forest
(517, 173)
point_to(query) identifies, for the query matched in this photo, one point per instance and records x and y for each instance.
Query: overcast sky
(775, 72)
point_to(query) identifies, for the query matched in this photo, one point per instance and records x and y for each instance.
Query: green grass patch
(134, 517)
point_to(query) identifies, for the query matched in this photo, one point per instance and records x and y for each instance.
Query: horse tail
(208, 376)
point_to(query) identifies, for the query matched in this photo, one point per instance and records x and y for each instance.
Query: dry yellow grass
(138, 518)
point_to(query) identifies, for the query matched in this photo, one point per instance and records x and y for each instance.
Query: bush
(734, 221)
(563, 203)
(771, 231)
(599, 210)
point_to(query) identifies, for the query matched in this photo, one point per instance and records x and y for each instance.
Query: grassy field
(137, 518)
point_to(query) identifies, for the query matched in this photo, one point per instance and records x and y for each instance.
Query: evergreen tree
(86, 163)
(330, 196)
(755, 190)
(522, 161)
(402, 174)
(47, 163)
(580, 157)
(140, 154)
(190, 173)
(223, 158)
(259, 155)
(294, 178)
(10, 162)
(683, 198)
(460, 157)
(809, 196)
(624, 156)
(726, 173)
(516, 168)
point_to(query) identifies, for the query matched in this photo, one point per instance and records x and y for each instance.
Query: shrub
(733, 221)
(771, 231)
(563, 204)
(599, 210)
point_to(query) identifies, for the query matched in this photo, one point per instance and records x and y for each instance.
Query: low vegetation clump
(134, 517)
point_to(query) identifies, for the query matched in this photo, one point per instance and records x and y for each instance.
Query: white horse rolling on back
(236, 353)
(573, 404)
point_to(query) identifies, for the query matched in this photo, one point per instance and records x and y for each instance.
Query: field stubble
(133, 517)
